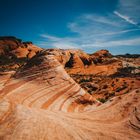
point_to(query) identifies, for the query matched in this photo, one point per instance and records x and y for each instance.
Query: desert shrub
(113, 85)
(90, 91)
(126, 91)
(105, 86)
(118, 89)
(102, 100)
(112, 94)
(84, 80)
(94, 88)
(121, 88)
(125, 83)
(90, 78)
(106, 98)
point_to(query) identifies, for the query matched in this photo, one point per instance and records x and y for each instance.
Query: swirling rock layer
(39, 102)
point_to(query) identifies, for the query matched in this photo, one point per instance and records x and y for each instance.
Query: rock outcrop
(14, 47)
(14, 52)
(39, 100)
(46, 77)
(78, 62)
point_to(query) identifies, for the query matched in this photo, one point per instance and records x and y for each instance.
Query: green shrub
(112, 94)
(84, 80)
(121, 88)
(102, 100)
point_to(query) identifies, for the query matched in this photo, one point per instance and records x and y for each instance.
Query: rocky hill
(79, 62)
(14, 52)
(67, 94)
(101, 74)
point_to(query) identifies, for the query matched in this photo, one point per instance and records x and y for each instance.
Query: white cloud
(100, 19)
(115, 43)
(120, 32)
(84, 42)
(49, 37)
(126, 18)
(57, 42)
(130, 8)
(93, 30)
(95, 24)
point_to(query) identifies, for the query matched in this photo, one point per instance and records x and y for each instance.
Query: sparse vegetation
(121, 88)
(107, 87)
(84, 80)
(102, 100)
(113, 85)
(127, 91)
(112, 94)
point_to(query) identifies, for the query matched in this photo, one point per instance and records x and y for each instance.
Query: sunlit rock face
(39, 100)
(14, 52)
(44, 75)
(79, 62)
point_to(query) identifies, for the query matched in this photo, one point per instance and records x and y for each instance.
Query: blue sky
(89, 25)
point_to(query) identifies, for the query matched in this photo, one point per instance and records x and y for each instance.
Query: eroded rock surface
(40, 101)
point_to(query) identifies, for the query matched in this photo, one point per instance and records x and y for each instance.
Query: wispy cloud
(95, 24)
(115, 43)
(101, 31)
(121, 32)
(126, 18)
(49, 37)
(100, 19)
(129, 8)
(57, 42)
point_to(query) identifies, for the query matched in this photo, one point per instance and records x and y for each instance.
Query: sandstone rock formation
(14, 52)
(12, 46)
(40, 101)
(78, 62)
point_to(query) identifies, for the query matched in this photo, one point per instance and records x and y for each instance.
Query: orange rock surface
(40, 101)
